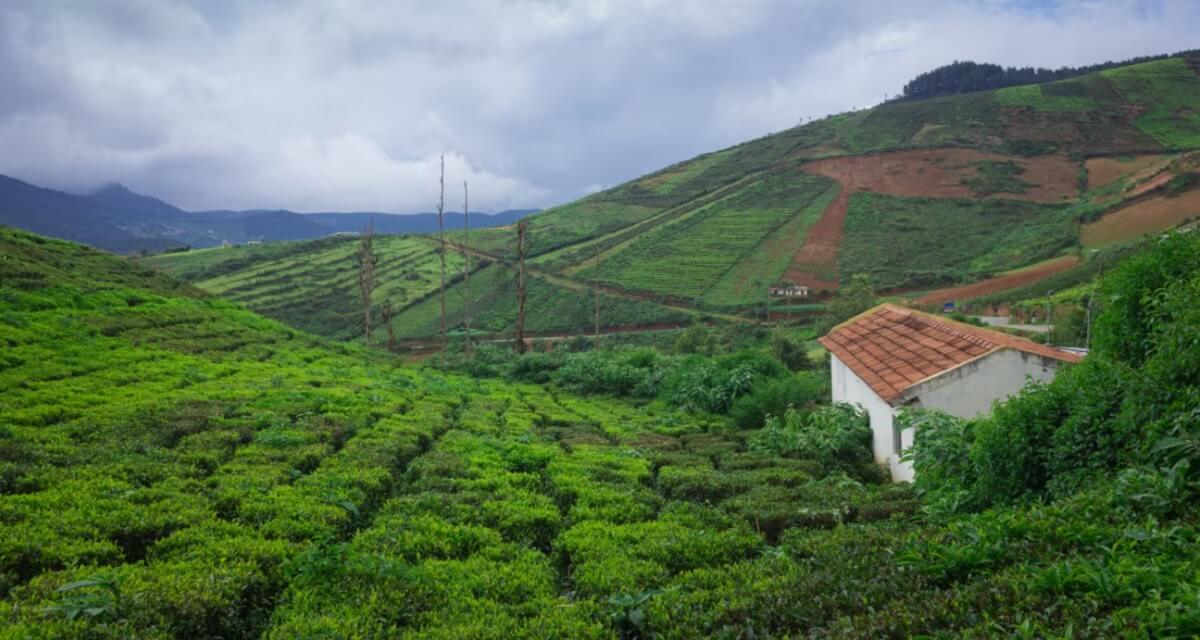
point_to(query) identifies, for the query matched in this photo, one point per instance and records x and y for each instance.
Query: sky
(322, 105)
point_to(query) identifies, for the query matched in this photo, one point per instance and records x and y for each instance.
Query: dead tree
(521, 286)
(466, 270)
(442, 247)
(366, 274)
(596, 293)
(387, 312)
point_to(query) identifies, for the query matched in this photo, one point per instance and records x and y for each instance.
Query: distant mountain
(416, 222)
(71, 217)
(135, 206)
(120, 220)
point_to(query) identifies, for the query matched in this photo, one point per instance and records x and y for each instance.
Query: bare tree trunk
(521, 286)
(442, 240)
(387, 313)
(466, 269)
(596, 294)
(366, 274)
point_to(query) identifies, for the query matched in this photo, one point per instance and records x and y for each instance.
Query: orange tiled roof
(893, 348)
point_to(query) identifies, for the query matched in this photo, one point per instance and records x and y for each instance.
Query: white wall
(848, 387)
(970, 390)
(965, 391)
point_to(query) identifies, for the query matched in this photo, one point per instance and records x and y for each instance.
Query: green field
(313, 284)
(174, 466)
(925, 241)
(686, 257)
(549, 308)
(1169, 93)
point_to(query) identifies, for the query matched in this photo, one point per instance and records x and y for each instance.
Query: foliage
(791, 351)
(927, 241)
(773, 397)
(231, 477)
(967, 76)
(1133, 399)
(850, 300)
(836, 436)
(997, 176)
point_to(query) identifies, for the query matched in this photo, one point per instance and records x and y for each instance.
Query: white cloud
(317, 105)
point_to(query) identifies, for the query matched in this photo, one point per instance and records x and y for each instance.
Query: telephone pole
(442, 240)
(596, 293)
(521, 286)
(466, 270)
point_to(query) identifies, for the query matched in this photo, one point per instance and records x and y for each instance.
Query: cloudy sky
(347, 104)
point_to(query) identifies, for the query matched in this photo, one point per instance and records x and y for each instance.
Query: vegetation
(926, 241)
(967, 76)
(175, 466)
(713, 232)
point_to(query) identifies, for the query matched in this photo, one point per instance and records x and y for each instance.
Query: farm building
(891, 357)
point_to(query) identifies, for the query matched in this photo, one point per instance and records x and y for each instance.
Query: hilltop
(950, 198)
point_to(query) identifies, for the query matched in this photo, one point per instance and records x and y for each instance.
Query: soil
(1103, 171)
(939, 173)
(1000, 283)
(1146, 216)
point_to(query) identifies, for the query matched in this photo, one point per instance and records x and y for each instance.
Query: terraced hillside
(954, 196)
(313, 285)
(173, 466)
(937, 192)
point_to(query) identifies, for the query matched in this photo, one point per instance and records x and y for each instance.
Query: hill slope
(1009, 168)
(934, 199)
(173, 466)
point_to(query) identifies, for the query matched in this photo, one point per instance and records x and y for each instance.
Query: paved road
(1006, 322)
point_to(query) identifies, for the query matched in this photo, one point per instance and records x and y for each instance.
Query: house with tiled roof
(891, 357)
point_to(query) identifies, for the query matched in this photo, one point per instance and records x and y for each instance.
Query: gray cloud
(316, 105)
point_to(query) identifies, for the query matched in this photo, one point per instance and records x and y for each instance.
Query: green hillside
(914, 177)
(312, 285)
(173, 466)
(921, 195)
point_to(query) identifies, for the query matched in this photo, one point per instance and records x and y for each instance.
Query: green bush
(838, 436)
(773, 397)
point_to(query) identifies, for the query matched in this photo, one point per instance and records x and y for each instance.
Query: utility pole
(596, 292)
(366, 274)
(442, 252)
(1087, 340)
(521, 286)
(466, 270)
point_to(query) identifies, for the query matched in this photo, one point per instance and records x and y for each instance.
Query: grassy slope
(231, 477)
(714, 230)
(1141, 108)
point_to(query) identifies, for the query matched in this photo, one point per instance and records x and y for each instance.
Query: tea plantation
(918, 194)
(173, 466)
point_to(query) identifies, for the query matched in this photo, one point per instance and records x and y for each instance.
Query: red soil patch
(1147, 216)
(818, 255)
(1103, 171)
(1000, 283)
(1151, 184)
(937, 173)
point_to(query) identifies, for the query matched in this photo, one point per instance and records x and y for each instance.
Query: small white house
(891, 357)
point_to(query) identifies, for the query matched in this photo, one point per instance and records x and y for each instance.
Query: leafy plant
(97, 597)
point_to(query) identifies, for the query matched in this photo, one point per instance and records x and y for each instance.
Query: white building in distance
(891, 357)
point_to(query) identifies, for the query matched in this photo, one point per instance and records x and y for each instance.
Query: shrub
(941, 458)
(838, 436)
(790, 351)
(773, 397)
